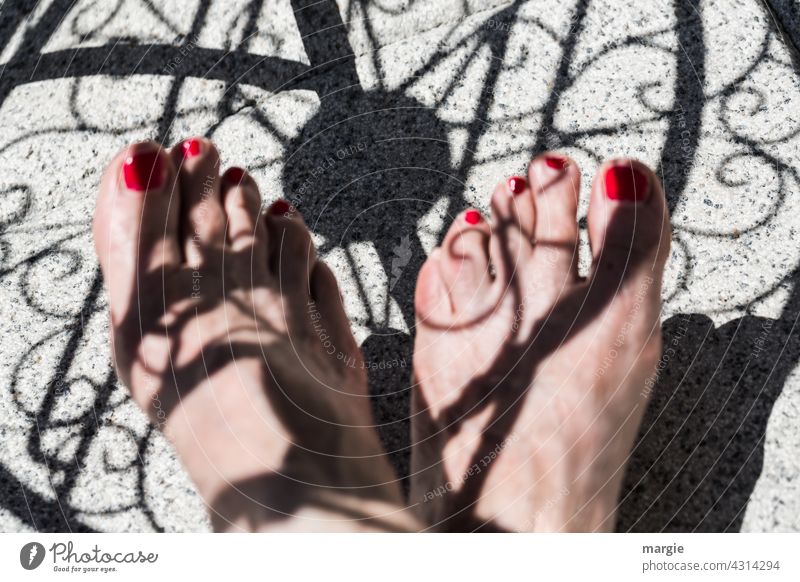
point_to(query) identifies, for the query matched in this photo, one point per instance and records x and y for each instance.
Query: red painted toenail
(144, 171)
(191, 148)
(627, 184)
(472, 216)
(556, 163)
(280, 207)
(234, 175)
(517, 184)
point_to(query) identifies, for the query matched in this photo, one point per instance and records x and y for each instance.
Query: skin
(215, 313)
(529, 380)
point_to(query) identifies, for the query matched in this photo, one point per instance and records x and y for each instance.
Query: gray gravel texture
(319, 101)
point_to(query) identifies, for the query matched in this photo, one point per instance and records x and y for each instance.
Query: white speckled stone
(710, 97)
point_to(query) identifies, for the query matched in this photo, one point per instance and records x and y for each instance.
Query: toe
(242, 201)
(513, 222)
(202, 215)
(136, 220)
(512, 201)
(431, 300)
(291, 252)
(464, 262)
(556, 184)
(629, 227)
(329, 317)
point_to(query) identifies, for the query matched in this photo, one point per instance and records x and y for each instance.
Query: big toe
(136, 221)
(629, 228)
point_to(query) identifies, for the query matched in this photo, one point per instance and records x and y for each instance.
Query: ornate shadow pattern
(701, 449)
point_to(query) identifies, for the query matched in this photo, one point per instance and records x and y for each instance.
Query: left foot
(531, 382)
(232, 336)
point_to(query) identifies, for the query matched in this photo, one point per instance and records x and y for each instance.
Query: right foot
(231, 334)
(532, 382)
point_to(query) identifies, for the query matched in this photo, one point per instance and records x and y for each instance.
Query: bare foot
(532, 382)
(232, 336)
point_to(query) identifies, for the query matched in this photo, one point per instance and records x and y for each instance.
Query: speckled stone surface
(787, 19)
(381, 120)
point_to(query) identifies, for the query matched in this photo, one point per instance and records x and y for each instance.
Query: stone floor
(381, 119)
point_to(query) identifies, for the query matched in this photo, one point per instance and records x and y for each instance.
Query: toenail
(280, 207)
(191, 148)
(517, 184)
(556, 162)
(472, 216)
(144, 171)
(627, 184)
(234, 176)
